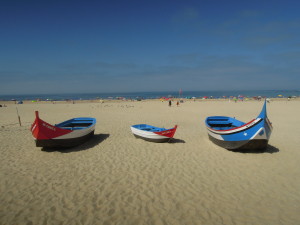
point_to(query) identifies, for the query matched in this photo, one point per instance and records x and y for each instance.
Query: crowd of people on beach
(169, 100)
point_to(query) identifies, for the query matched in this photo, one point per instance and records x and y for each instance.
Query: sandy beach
(115, 178)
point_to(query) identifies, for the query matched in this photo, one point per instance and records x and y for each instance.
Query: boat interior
(223, 123)
(146, 127)
(76, 124)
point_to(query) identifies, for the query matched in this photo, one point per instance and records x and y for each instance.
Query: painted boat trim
(246, 126)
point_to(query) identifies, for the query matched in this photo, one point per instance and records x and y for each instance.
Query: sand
(116, 178)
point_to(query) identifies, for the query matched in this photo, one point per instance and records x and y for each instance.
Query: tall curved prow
(267, 124)
(263, 113)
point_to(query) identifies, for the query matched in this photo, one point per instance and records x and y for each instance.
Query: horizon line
(128, 92)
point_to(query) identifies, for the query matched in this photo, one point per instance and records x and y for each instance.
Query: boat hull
(156, 140)
(159, 136)
(63, 143)
(241, 145)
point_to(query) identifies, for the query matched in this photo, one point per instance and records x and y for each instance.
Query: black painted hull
(64, 143)
(256, 144)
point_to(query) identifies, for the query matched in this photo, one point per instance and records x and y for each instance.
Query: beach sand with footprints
(115, 178)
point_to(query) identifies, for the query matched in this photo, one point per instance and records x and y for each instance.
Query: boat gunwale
(236, 129)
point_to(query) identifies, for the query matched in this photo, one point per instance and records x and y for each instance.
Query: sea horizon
(152, 95)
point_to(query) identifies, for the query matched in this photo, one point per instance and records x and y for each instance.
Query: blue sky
(127, 46)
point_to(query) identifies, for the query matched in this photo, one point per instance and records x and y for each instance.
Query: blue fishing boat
(233, 134)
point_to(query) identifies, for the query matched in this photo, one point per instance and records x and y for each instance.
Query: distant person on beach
(177, 103)
(170, 103)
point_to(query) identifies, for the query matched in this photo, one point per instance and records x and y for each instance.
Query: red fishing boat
(66, 134)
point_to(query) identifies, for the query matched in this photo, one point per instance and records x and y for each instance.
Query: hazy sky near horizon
(71, 46)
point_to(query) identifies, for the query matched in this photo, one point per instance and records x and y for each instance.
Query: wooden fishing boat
(66, 134)
(153, 134)
(233, 134)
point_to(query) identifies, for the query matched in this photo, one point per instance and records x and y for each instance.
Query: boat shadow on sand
(270, 149)
(175, 140)
(95, 140)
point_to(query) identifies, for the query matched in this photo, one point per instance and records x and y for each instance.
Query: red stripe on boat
(42, 130)
(235, 127)
(167, 133)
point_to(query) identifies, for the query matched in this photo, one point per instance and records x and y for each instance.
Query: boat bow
(42, 130)
(167, 133)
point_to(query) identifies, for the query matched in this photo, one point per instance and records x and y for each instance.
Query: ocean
(153, 95)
